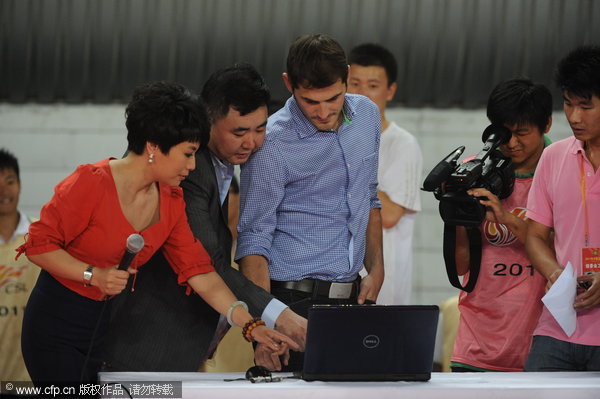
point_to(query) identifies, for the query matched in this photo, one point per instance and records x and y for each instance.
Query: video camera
(449, 181)
(490, 169)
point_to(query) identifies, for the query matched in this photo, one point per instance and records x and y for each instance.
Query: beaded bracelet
(251, 325)
(233, 306)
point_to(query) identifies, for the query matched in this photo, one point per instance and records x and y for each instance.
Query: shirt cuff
(272, 312)
(539, 218)
(375, 203)
(252, 244)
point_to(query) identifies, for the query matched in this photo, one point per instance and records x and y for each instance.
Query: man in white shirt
(373, 71)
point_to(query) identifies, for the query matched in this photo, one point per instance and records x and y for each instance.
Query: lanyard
(585, 210)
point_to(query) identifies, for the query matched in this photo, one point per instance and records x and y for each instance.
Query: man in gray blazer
(158, 327)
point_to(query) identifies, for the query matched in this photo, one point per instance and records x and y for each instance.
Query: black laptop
(370, 343)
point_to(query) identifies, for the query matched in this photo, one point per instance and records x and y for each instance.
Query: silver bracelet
(233, 306)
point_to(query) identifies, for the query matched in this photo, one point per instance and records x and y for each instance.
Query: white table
(573, 385)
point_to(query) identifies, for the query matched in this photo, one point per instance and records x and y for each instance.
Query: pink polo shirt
(555, 201)
(498, 317)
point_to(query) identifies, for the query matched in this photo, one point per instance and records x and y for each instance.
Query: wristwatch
(87, 276)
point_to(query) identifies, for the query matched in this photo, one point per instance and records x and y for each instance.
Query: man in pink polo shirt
(565, 197)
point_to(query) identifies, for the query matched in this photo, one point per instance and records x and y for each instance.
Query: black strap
(474, 236)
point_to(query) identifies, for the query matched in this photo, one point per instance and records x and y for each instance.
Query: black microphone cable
(135, 242)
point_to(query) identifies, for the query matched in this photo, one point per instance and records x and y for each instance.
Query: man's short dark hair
(519, 102)
(371, 54)
(316, 61)
(9, 161)
(578, 74)
(240, 87)
(166, 114)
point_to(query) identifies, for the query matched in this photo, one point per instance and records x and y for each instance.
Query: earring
(151, 158)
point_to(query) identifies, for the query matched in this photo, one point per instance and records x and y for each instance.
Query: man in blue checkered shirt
(310, 218)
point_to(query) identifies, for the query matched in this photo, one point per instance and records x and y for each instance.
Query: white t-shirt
(400, 165)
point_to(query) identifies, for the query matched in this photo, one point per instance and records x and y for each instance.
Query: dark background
(450, 52)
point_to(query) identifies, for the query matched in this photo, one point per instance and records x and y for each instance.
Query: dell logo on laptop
(371, 341)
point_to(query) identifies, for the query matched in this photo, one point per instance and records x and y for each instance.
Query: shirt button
(349, 195)
(589, 174)
(348, 165)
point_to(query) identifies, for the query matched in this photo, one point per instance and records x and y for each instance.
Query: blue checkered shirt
(306, 194)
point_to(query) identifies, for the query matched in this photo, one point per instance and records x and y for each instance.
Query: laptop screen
(370, 343)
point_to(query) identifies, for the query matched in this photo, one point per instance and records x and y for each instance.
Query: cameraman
(499, 315)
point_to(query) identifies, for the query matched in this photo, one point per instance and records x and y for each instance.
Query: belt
(329, 289)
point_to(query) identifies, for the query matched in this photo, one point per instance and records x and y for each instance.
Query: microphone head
(135, 243)
(442, 170)
(498, 133)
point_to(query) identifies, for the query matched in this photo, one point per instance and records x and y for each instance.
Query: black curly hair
(166, 114)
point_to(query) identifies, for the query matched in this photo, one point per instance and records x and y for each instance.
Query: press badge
(590, 260)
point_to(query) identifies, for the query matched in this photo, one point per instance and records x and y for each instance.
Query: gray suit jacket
(159, 328)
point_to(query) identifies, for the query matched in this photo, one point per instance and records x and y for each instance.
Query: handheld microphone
(135, 243)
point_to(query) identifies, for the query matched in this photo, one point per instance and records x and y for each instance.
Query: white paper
(560, 298)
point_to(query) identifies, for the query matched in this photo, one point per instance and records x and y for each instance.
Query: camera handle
(474, 236)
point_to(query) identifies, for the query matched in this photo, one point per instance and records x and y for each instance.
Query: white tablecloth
(573, 385)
